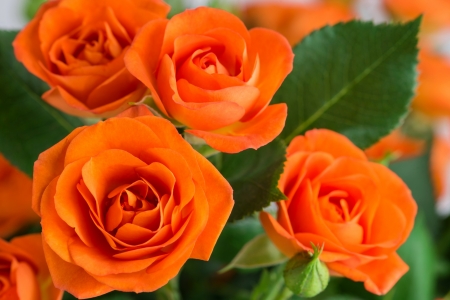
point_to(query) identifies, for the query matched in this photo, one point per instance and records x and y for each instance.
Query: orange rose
(433, 92)
(124, 203)
(396, 144)
(295, 21)
(15, 199)
(24, 274)
(206, 71)
(77, 47)
(359, 210)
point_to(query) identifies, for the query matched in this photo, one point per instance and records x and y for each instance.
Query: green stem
(285, 294)
(170, 291)
(276, 289)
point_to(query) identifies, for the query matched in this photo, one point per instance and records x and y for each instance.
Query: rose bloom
(24, 274)
(206, 71)
(77, 47)
(359, 210)
(396, 144)
(15, 199)
(124, 203)
(295, 21)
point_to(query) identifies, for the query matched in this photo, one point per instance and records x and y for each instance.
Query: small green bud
(305, 275)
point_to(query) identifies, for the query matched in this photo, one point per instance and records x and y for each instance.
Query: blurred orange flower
(436, 12)
(440, 166)
(24, 274)
(359, 210)
(124, 203)
(15, 199)
(295, 21)
(433, 92)
(208, 72)
(77, 47)
(396, 144)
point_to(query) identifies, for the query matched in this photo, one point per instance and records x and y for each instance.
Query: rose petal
(220, 202)
(253, 134)
(71, 278)
(326, 140)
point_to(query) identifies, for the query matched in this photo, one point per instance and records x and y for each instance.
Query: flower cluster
(123, 203)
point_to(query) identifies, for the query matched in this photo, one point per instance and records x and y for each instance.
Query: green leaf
(234, 236)
(355, 78)
(418, 254)
(254, 176)
(28, 125)
(258, 253)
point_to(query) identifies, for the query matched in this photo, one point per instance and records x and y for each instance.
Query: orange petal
(135, 111)
(199, 21)
(255, 133)
(17, 213)
(395, 191)
(71, 278)
(100, 262)
(245, 96)
(206, 116)
(32, 244)
(55, 232)
(25, 44)
(115, 87)
(127, 134)
(56, 23)
(398, 144)
(220, 202)
(170, 138)
(273, 68)
(27, 285)
(305, 214)
(72, 207)
(285, 242)
(49, 165)
(102, 174)
(379, 276)
(184, 188)
(64, 101)
(327, 141)
(143, 281)
(142, 61)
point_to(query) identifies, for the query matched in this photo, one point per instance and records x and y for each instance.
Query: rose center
(211, 64)
(338, 207)
(133, 204)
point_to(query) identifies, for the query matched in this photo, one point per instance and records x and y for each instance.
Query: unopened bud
(305, 275)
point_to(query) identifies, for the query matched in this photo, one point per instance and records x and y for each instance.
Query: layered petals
(360, 211)
(15, 199)
(125, 204)
(24, 273)
(208, 72)
(78, 48)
